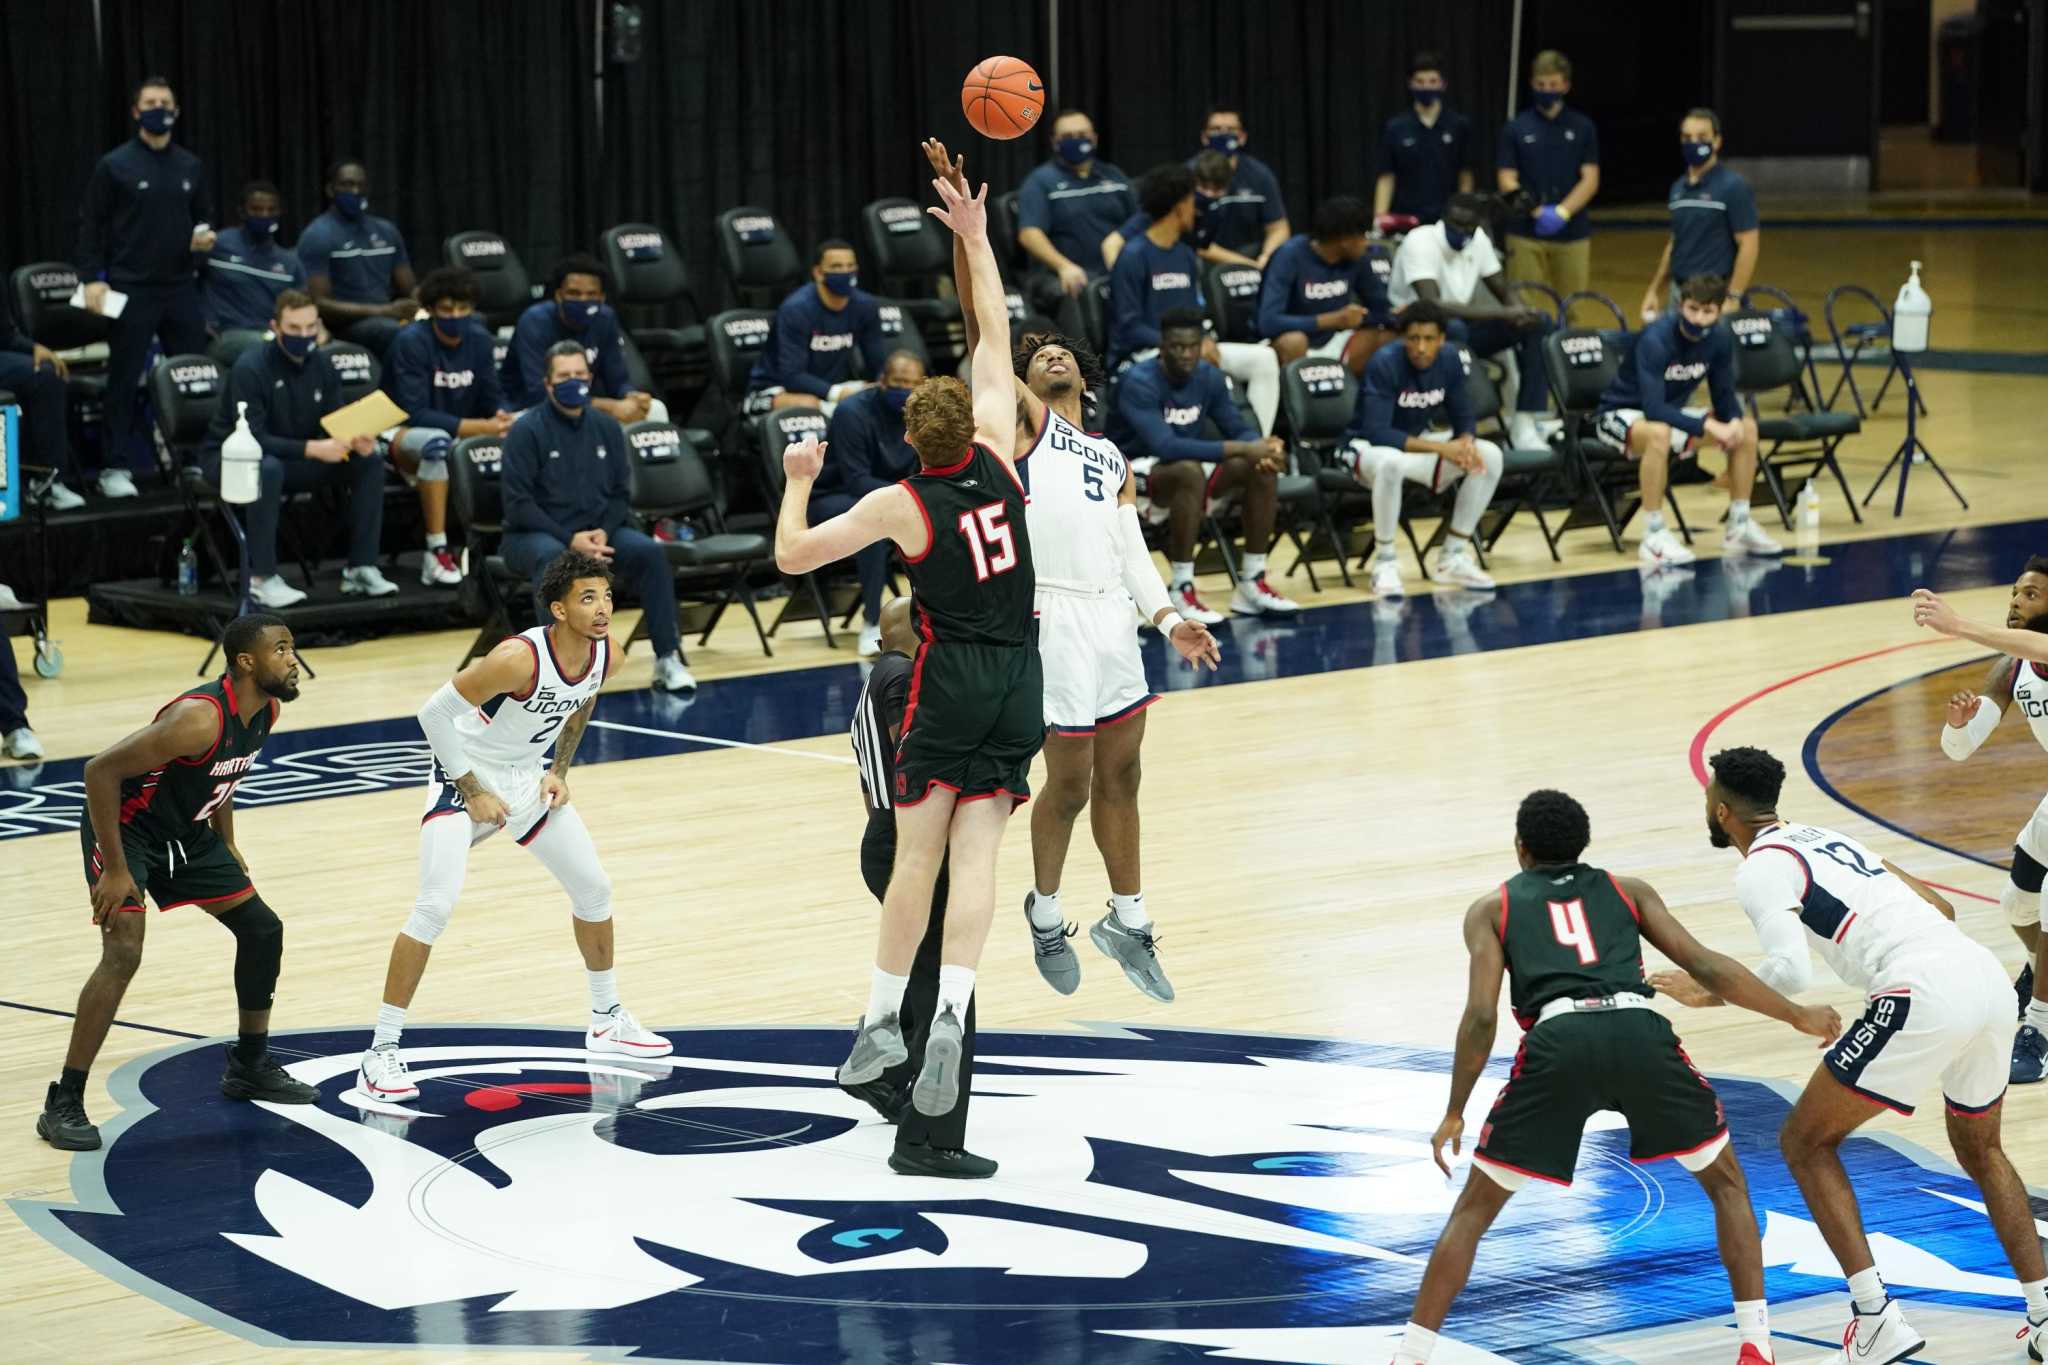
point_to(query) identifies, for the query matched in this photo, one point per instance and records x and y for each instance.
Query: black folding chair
(1765, 362)
(1853, 338)
(760, 260)
(489, 586)
(1317, 401)
(775, 432)
(1580, 362)
(501, 275)
(1529, 476)
(1792, 321)
(669, 479)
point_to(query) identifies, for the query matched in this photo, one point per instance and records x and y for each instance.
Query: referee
(924, 1146)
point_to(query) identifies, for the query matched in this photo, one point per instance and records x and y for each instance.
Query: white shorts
(526, 810)
(2023, 902)
(1094, 673)
(1141, 471)
(1947, 1017)
(1333, 349)
(1361, 459)
(1613, 425)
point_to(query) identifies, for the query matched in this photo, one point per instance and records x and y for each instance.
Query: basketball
(1002, 98)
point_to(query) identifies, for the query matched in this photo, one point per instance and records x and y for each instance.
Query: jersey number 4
(1568, 923)
(990, 540)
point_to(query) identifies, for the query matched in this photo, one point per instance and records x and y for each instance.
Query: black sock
(250, 1047)
(73, 1080)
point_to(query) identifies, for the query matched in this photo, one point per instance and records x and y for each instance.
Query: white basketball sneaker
(1458, 564)
(1878, 1338)
(1662, 546)
(1386, 579)
(383, 1076)
(621, 1033)
(1745, 537)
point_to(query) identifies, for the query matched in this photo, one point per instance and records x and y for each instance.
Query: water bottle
(1909, 315)
(1808, 519)
(188, 570)
(241, 462)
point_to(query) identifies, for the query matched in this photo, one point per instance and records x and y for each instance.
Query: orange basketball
(1002, 98)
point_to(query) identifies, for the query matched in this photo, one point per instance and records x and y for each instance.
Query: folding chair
(669, 479)
(1580, 362)
(1317, 400)
(1851, 340)
(501, 275)
(1529, 477)
(474, 469)
(759, 258)
(1765, 362)
(1791, 320)
(775, 432)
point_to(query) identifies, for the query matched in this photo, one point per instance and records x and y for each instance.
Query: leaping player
(2020, 675)
(1092, 564)
(490, 729)
(1937, 1014)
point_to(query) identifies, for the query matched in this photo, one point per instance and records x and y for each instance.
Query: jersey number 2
(1568, 923)
(221, 792)
(990, 541)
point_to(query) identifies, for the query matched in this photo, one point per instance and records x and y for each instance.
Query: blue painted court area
(307, 761)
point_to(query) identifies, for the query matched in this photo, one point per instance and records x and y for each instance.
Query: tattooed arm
(556, 784)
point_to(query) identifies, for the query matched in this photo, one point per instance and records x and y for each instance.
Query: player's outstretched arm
(994, 382)
(953, 170)
(1725, 980)
(888, 513)
(1938, 616)
(186, 729)
(1476, 1029)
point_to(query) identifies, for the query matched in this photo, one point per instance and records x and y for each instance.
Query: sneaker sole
(629, 1049)
(938, 1081)
(241, 1090)
(1131, 974)
(902, 1167)
(882, 1060)
(47, 1132)
(385, 1096)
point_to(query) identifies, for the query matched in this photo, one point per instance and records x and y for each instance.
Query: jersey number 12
(989, 540)
(1568, 923)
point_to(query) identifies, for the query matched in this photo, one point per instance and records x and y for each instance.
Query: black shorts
(195, 870)
(974, 722)
(1576, 1065)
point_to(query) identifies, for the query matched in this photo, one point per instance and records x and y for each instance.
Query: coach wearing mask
(1714, 229)
(144, 217)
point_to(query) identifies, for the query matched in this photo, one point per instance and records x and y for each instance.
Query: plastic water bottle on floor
(1910, 313)
(1807, 519)
(188, 570)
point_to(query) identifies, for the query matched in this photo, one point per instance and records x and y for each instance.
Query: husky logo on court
(1269, 1197)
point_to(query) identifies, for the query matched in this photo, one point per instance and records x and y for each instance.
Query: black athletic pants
(920, 1000)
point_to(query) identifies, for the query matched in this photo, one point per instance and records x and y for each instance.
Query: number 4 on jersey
(1568, 923)
(989, 540)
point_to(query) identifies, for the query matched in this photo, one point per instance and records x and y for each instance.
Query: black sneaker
(263, 1079)
(63, 1123)
(2024, 988)
(885, 1099)
(947, 1163)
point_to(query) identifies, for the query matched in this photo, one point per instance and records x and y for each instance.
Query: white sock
(1386, 548)
(2037, 1014)
(885, 994)
(437, 540)
(2037, 1299)
(1416, 1345)
(1253, 565)
(956, 988)
(1738, 511)
(1129, 910)
(1182, 573)
(390, 1023)
(604, 991)
(1655, 523)
(1045, 910)
(1753, 1324)
(1867, 1288)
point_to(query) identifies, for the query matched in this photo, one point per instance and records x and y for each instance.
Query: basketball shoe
(1878, 1338)
(2035, 1334)
(263, 1079)
(1188, 603)
(63, 1123)
(2029, 1056)
(1752, 1356)
(619, 1032)
(383, 1076)
(1134, 950)
(876, 1048)
(1051, 951)
(1662, 546)
(938, 1080)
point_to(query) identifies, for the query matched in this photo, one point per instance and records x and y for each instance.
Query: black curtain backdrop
(48, 125)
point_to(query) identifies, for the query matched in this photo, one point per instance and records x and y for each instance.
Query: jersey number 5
(1568, 923)
(990, 540)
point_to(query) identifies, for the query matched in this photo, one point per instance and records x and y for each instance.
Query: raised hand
(804, 459)
(1930, 611)
(953, 169)
(1962, 708)
(967, 217)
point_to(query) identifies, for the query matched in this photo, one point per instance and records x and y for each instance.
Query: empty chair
(42, 301)
(760, 261)
(1766, 362)
(506, 288)
(773, 433)
(670, 479)
(475, 468)
(650, 285)
(897, 329)
(1232, 294)
(1317, 400)
(1529, 474)
(908, 254)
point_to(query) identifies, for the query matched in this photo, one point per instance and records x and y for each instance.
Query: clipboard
(367, 416)
(111, 305)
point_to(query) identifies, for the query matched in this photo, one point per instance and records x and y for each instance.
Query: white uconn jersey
(1074, 479)
(2029, 692)
(1865, 920)
(514, 731)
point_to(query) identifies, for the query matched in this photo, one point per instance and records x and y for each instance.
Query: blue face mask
(1688, 331)
(157, 121)
(450, 330)
(1455, 239)
(1226, 143)
(841, 282)
(578, 314)
(350, 204)
(1074, 150)
(572, 393)
(1426, 96)
(298, 348)
(1547, 100)
(1696, 153)
(896, 398)
(259, 229)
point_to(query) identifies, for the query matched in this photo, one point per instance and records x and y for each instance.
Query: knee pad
(259, 951)
(2021, 907)
(430, 915)
(592, 904)
(2027, 874)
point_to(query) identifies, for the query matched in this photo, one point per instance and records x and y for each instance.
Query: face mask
(1688, 331)
(350, 204)
(259, 228)
(1226, 143)
(450, 330)
(896, 398)
(572, 393)
(298, 348)
(1426, 96)
(1547, 99)
(578, 314)
(157, 121)
(1454, 239)
(1074, 150)
(841, 282)
(1696, 153)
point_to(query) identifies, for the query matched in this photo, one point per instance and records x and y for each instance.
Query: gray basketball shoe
(876, 1048)
(1134, 950)
(1051, 951)
(938, 1081)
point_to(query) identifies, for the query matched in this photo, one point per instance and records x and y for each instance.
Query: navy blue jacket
(286, 401)
(440, 385)
(1147, 281)
(244, 276)
(1397, 401)
(540, 327)
(1237, 218)
(1547, 153)
(1705, 216)
(565, 474)
(1159, 418)
(1299, 285)
(1665, 368)
(135, 223)
(810, 347)
(1076, 211)
(867, 449)
(1425, 161)
(357, 255)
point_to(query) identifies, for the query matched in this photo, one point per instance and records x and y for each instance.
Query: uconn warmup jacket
(1397, 401)
(1666, 368)
(1147, 281)
(440, 385)
(810, 347)
(1299, 285)
(1159, 418)
(540, 327)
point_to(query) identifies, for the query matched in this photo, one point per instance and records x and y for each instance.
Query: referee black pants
(920, 998)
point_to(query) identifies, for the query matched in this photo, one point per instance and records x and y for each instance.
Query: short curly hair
(1029, 344)
(939, 419)
(1552, 827)
(1750, 775)
(566, 569)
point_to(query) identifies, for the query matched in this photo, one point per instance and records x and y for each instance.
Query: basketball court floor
(1240, 1175)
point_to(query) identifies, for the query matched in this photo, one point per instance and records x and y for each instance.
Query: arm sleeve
(1274, 293)
(1138, 400)
(297, 268)
(522, 365)
(1133, 225)
(94, 210)
(1223, 410)
(1275, 208)
(1371, 292)
(1034, 207)
(403, 258)
(1140, 575)
(1960, 744)
(11, 337)
(519, 483)
(1650, 360)
(791, 356)
(1589, 154)
(1769, 886)
(1742, 214)
(1721, 378)
(437, 718)
(486, 397)
(412, 387)
(202, 196)
(611, 365)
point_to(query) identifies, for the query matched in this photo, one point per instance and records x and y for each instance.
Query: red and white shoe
(383, 1076)
(1752, 1356)
(438, 568)
(1879, 1338)
(1256, 597)
(1188, 604)
(621, 1033)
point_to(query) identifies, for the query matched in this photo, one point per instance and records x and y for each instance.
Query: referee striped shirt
(879, 710)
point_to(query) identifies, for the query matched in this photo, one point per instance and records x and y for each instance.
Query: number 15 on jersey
(990, 540)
